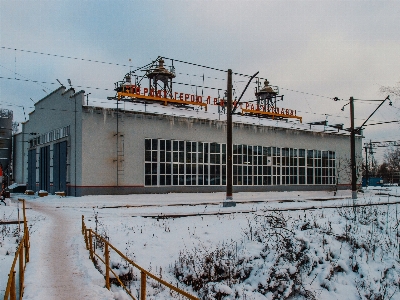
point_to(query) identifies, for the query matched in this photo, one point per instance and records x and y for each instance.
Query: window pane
(147, 144)
(162, 180)
(162, 156)
(147, 168)
(147, 155)
(147, 180)
(153, 155)
(154, 143)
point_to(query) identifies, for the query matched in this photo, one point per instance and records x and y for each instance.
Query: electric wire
(44, 82)
(65, 56)
(195, 75)
(245, 75)
(175, 82)
(384, 122)
(175, 60)
(212, 88)
(15, 73)
(185, 84)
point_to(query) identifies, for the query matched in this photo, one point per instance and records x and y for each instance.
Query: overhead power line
(23, 77)
(180, 83)
(175, 60)
(382, 144)
(384, 122)
(246, 75)
(305, 93)
(69, 57)
(203, 66)
(44, 82)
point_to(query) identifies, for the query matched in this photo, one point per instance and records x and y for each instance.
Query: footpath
(59, 266)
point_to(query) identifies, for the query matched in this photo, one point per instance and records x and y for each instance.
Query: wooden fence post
(90, 244)
(83, 224)
(107, 259)
(143, 273)
(142, 285)
(27, 245)
(21, 270)
(86, 238)
(19, 223)
(26, 233)
(13, 295)
(23, 209)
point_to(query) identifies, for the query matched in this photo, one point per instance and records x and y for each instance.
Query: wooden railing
(22, 255)
(90, 235)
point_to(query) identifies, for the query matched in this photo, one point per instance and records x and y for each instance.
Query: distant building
(88, 146)
(372, 181)
(6, 119)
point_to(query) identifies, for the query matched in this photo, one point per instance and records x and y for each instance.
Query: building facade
(90, 146)
(6, 118)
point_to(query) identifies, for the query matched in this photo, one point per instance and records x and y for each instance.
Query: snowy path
(61, 269)
(59, 266)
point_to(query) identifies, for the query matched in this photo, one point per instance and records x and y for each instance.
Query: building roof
(197, 112)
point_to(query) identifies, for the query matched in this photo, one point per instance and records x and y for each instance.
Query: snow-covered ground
(256, 250)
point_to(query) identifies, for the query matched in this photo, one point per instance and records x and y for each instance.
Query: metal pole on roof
(229, 188)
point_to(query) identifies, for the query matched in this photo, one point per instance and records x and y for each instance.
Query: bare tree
(391, 90)
(383, 170)
(372, 166)
(392, 160)
(343, 170)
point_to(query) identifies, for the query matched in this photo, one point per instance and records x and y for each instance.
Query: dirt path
(59, 267)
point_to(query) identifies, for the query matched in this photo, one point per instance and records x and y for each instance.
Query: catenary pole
(229, 188)
(366, 167)
(353, 131)
(353, 152)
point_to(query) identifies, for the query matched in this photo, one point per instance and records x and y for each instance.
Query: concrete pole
(229, 187)
(366, 167)
(353, 152)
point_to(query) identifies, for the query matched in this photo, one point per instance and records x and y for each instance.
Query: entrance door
(60, 167)
(32, 170)
(44, 168)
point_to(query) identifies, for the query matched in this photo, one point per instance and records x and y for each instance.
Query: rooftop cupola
(266, 95)
(160, 73)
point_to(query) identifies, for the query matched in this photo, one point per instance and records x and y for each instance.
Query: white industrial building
(147, 144)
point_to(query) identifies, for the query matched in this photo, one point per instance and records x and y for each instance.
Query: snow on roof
(197, 112)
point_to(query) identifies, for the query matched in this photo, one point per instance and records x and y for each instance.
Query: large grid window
(302, 166)
(151, 157)
(173, 162)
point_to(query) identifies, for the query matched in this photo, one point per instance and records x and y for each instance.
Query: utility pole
(353, 152)
(229, 113)
(353, 131)
(229, 187)
(366, 167)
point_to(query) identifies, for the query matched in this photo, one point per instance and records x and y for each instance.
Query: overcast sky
(313, 50)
